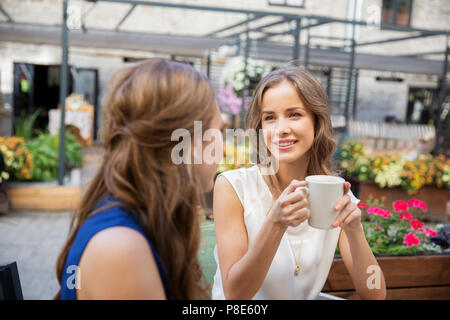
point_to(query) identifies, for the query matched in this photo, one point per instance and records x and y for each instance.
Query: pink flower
(406, 215)
(416, 224)
(372, 209)
(378, 227)
(411, 239)
(385, 214)
(414, 203)
(400, 205)
(429, 231)
(361, 205)
(228, 99)
(379, 212)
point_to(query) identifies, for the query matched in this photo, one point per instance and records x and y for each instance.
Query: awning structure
(201, 46)
(182, 45)
(262, 34)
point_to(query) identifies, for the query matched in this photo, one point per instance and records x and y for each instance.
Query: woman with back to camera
(265, 247)
(135, 234)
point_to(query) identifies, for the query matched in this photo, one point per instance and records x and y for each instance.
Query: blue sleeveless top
(113, 217)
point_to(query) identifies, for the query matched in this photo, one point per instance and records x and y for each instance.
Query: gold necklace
(297, 262)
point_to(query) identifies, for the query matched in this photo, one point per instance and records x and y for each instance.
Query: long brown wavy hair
(315, 99)
(145, 103)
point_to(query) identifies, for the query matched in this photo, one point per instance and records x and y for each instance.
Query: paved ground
(34, 239)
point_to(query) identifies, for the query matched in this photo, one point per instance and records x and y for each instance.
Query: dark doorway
(420, 105)
(37, 87)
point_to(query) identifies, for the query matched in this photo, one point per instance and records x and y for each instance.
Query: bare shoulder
(118, 263)
(224, 189)
(222, 183)
(118, 239)
(225, 198)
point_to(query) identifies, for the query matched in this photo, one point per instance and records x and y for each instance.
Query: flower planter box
(45, 196)
(407, 277)
(435, 198)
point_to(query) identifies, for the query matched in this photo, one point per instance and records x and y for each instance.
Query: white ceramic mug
(323, 193)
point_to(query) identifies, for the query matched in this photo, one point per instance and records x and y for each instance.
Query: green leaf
(47, 176)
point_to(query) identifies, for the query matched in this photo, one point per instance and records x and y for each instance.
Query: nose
(283, 127)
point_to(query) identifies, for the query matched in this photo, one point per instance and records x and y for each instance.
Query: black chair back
(10, 288)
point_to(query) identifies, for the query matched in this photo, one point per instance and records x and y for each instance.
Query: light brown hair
(145, 103)
(315, 99)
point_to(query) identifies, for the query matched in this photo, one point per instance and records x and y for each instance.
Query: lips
(286, 144)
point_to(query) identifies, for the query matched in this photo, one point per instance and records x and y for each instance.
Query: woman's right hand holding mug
(291, 207)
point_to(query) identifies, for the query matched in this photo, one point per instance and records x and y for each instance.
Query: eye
(268, 118)
(295, 114)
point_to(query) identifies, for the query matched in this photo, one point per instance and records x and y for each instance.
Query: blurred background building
(384, 81)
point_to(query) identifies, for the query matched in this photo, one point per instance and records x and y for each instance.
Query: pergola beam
(10, 20)
(416, 55)
(252, 18)
(288, 16)
(125, 17)
(202, 8)
(270, 35)
(261, 28)
(422, 35)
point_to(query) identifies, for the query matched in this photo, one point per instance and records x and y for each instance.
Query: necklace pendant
(297, 269)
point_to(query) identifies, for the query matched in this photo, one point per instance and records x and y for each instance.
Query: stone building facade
(375, 99)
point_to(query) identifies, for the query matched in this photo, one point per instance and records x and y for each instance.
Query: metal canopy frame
(239, 36)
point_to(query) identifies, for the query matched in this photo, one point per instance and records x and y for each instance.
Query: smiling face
(287, 123)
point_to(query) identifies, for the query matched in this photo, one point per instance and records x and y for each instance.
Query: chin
(290, 158)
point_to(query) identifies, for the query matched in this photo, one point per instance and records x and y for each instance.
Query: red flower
(405, 215)
(378, 227)
(417, 204)
(416, 224)
(361, 205)
(411, 202)
(429, 231)
(411, 239)
(400, 205)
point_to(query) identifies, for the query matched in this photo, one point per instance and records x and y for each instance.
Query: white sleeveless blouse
(314, 248)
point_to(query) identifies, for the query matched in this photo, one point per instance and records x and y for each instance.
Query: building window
(397, 12)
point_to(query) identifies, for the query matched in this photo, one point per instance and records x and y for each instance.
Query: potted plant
(41, 165)
(413, 264)
(394, 176)
(234, 83)
(16, 163)
(17, 159)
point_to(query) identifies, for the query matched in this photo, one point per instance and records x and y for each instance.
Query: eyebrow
(288, 110)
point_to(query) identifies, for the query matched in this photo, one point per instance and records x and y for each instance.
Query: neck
(294, 170)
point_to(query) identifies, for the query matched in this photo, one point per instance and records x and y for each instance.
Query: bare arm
(244, 268)
(362, 265)
(358, 258)
(118, 264)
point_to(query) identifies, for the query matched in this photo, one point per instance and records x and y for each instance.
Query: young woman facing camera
(265, 247)
(136, 232)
